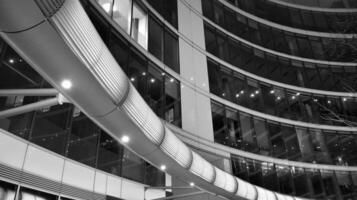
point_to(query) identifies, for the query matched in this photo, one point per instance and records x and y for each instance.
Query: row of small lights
(152, 80)
(293, 97)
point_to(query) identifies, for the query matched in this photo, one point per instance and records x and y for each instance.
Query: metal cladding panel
(283, 197)
(251, 191)
(225, 181)
(49, 7)
(80, 35)
(242, 188)
(264, 194)
(139, 112)
(202, 168)
(176, 149)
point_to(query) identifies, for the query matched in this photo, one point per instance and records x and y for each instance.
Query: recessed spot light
(252, 95)
(278, 98)
(132, 79)
(297, 94)
(293, 97)
(125, 139)
(163, 167)
(344, 99)
(272, 91)
(223, 94)
(171, 80)
(163, 74)
(66, 84)
(315, 100)
(152, 80)
(11, 60)
(237, 95)
(257, 92)
(242, 92)
(192, 184)
(144, 73)
(329, 102)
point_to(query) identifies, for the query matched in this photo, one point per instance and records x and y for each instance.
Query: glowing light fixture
(125, 139)
(163, 167)
(66, 84)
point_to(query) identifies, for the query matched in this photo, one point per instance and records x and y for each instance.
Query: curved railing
(316, 8)
(69, 48)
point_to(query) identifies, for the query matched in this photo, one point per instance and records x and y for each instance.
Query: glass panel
(7, 191)
(171, 55)
(29, 194)
(107, 5)
(122, 13)
(110, 155)
(172, 101)
(133, 167)
(156, 35)
(83, 140)
(50, 128)
(139, 26)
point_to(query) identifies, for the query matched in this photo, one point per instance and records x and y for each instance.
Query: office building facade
(178, 99)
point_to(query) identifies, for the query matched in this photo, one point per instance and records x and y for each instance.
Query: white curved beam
(68, 47)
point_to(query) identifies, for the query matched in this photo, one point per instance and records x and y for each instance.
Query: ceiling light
(242, 92)
(163, 74)
(171, 80)
(237, 95)
(297, 94)
(11, 61)
(293, 97)
(278, 98)
(272, 91)
(252, 95)
(144, 73)
(315, 100)
(66, 84)
(329, 102)
(132, 79)
(163, 167)
(344, 99)
(257, 92)
(125, 139)
(192, 184)
(152, 80)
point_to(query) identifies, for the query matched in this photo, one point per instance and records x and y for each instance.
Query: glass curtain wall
(281, 102)
(273, 67)
(265, 137)
(337, 22)
(292, 43)
(303, 182)
(145, 28)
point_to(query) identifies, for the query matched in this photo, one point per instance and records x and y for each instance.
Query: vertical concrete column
(196, 108)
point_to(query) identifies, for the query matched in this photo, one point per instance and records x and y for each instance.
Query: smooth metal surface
(28, 92)
(28, 108)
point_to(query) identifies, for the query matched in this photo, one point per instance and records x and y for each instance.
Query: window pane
(171, 51)
(50, 128)
(122, 13)
(156, 36)
(139, 26)
(133, 167)
(109, 155)
(29, 194)
(7, 191)
(83, 140)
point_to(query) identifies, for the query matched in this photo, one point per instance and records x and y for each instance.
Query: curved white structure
(58, 40)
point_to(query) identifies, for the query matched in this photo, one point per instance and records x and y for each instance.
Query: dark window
(156, 35)
(171, 55)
